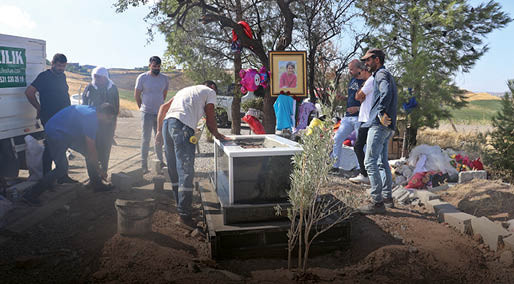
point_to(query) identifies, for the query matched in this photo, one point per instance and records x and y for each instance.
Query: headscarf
(101, 71)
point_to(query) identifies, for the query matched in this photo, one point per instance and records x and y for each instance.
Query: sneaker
(102, 187)
(334, 171)
(388, 203)
(360, 179)
(162, 165)
(31, 200)
(372, 208)
(66, 179)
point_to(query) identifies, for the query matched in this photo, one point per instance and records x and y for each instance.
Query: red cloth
(417, 181)
(254, 124)
(347, 142)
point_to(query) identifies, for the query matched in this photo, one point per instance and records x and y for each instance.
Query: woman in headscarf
(102, 90)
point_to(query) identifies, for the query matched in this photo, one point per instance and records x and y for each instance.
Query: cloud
(14, 20)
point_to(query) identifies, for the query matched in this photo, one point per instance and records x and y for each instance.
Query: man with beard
(381, 123)
(53, 96)
(150, 92)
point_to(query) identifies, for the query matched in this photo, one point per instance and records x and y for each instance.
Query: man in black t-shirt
(53, 96)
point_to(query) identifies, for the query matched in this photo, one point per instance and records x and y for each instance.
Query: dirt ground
(73, 238)
(493, 199)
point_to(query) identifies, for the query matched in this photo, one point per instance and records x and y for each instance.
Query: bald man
(350, 121)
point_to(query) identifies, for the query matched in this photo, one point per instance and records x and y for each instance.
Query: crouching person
(74, 127)
(176, 123)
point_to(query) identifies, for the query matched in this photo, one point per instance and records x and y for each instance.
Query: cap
(373, 52)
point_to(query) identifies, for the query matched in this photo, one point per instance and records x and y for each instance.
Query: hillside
(480, 96)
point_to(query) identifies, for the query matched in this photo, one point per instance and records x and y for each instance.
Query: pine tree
(427, 42)
(502, 137)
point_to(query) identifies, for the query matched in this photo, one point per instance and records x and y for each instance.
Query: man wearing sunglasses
(381, 123)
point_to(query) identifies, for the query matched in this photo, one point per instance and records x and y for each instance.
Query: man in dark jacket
(381, 123)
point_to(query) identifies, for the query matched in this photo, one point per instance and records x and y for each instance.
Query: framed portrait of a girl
(288, 72)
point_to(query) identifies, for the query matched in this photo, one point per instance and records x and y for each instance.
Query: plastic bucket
(134, 216)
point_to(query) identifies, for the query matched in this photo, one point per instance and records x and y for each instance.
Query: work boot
(372, 208)
(388, 203)
(334, 171)
(102, 187)
(360, 179)
(66, 179)
(185, 222)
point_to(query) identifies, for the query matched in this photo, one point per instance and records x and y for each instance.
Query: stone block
(122, 181)
(166, 174)
(440, 188)
(156, 167)
(425, 196)
(492, 233)
(439, 207)
(459, 220)
(509, 242)
(399, 193)
(470, 175)
(158, 182)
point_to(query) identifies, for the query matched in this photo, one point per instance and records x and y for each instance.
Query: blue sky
(90, 32)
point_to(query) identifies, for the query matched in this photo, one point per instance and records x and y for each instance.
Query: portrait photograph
(288, 72)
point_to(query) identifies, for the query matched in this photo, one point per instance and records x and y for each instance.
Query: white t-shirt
(367, 89)
(188, 104)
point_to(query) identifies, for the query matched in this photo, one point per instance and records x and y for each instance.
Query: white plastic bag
(34, 158)
(436, 160)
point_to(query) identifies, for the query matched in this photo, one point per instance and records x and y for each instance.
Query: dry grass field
(125, 81)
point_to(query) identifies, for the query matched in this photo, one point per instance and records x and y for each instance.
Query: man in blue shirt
(350, 121)
(381, 123)
(74, 127)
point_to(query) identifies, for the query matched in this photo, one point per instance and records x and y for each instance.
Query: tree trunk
(311, 67)
(269, 113)
(236, 102)
(412, 133)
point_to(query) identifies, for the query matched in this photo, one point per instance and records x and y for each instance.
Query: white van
(21, 60)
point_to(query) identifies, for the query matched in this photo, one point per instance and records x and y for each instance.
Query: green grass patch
(129, 94)
(477, 111)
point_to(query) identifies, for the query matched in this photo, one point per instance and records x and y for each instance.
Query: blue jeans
(377, 164)
(348, 124)
(57, 149)
(180, 155)
(148, 122)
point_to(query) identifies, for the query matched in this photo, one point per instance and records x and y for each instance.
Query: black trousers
(359, 148)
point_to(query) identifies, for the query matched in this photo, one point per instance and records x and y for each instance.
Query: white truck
(21, 60)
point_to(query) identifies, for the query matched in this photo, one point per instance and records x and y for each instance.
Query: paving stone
(492, 233)
(440, 188)
(166, 174)
(509, 242)
(400, 192)
(439, 207)
(425, 196)
(122, 181)
(156, 167)
(470, 175)
(459, 220)
(158, 182)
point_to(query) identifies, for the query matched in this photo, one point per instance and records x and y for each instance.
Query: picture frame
(288, 72)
